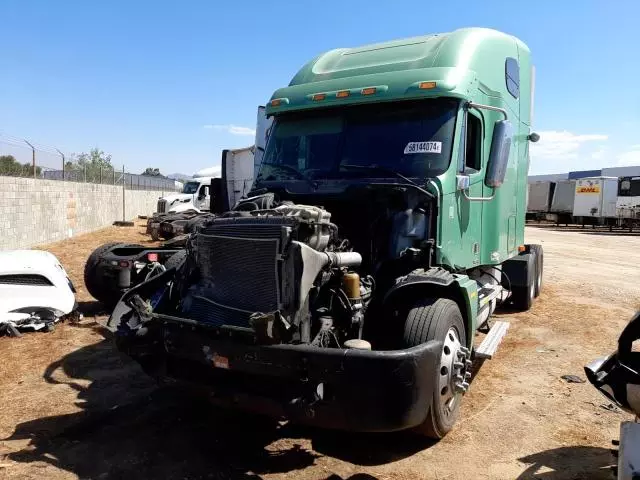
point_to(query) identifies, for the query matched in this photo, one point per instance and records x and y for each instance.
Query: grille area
(242, 272)
(248, 227)
(203, 310)
(240, 269)
(25, 279)
(162, 206)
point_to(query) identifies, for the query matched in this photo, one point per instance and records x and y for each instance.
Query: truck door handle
(479, 199)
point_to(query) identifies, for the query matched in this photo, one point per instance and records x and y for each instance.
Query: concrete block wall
(35, 211)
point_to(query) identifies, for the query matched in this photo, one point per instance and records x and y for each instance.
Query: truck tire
(176, 260)
(438, 319)
(108, 295)
(91, 276)
(537, 250)
(522, 296)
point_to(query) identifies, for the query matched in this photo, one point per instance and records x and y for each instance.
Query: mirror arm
(480, 106)
(479, 199)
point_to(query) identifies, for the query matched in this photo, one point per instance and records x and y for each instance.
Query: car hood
(177, 196)
(34, 279)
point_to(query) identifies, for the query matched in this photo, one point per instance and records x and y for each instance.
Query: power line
(18, 141)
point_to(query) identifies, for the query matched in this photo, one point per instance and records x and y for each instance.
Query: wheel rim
(539, 279)
(448, 371)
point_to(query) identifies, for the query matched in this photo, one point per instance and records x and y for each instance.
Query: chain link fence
(23, 158)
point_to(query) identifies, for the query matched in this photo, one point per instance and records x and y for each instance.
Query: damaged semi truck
(385, 225)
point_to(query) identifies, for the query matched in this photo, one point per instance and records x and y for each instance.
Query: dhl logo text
(590, 189)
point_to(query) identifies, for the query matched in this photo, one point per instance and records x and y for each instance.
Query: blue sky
(170, 84)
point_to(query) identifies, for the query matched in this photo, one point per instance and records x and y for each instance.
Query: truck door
(203, 199)
(471, 211)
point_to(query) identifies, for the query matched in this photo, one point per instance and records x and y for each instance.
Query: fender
(438, 282)
(433, 276)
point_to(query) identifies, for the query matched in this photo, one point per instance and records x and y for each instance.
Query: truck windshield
(414, 139)
(629, 187)
(190, 187)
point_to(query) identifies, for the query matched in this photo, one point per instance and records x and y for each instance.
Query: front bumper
(332, 388)
(367, 391)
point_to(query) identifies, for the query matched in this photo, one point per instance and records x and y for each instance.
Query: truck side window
(624, 187)
(204, 191)
(512, 76)
(473, 155)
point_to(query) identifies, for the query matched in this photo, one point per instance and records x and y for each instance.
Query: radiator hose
(344, 259)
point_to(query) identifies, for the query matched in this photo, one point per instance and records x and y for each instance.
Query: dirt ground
(72, 407)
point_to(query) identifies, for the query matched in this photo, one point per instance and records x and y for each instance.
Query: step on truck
(385, 225)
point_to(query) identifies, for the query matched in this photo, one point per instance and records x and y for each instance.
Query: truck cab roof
(443, 64)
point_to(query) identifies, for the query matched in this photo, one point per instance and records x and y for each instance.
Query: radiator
(240, 263)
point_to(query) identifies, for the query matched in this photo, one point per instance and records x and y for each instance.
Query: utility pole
(33, 157)
(124, 222)
(62, 155)
(124, 218)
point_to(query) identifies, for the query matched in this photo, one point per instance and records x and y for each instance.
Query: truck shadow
(365, 449)
(92, 308)
(585, 462)
(129, 428)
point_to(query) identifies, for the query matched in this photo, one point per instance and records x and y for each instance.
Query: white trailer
(562, 202)
(564, 197)
(628, 203)
(539, 198)
(595, 200)
(237, 173)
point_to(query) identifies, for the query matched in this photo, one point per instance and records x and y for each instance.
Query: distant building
(553, 177)
(584, 174)
(621, 172)
(604, 172)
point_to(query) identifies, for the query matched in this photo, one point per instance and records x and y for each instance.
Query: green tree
(10, 166)
(96, 164)
(96, 158)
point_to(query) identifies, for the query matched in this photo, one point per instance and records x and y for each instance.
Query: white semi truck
(195, 196)
(235, 172)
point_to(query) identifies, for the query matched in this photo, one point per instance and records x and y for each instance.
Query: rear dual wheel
(537, 251)
(523, 296)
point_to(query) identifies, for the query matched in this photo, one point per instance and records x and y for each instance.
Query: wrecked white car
(35, 291)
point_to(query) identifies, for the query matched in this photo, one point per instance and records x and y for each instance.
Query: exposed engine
(278, 272)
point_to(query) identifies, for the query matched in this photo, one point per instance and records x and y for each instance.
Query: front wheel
(440, 319)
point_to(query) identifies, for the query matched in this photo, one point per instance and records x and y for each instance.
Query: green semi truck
(384, 227)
